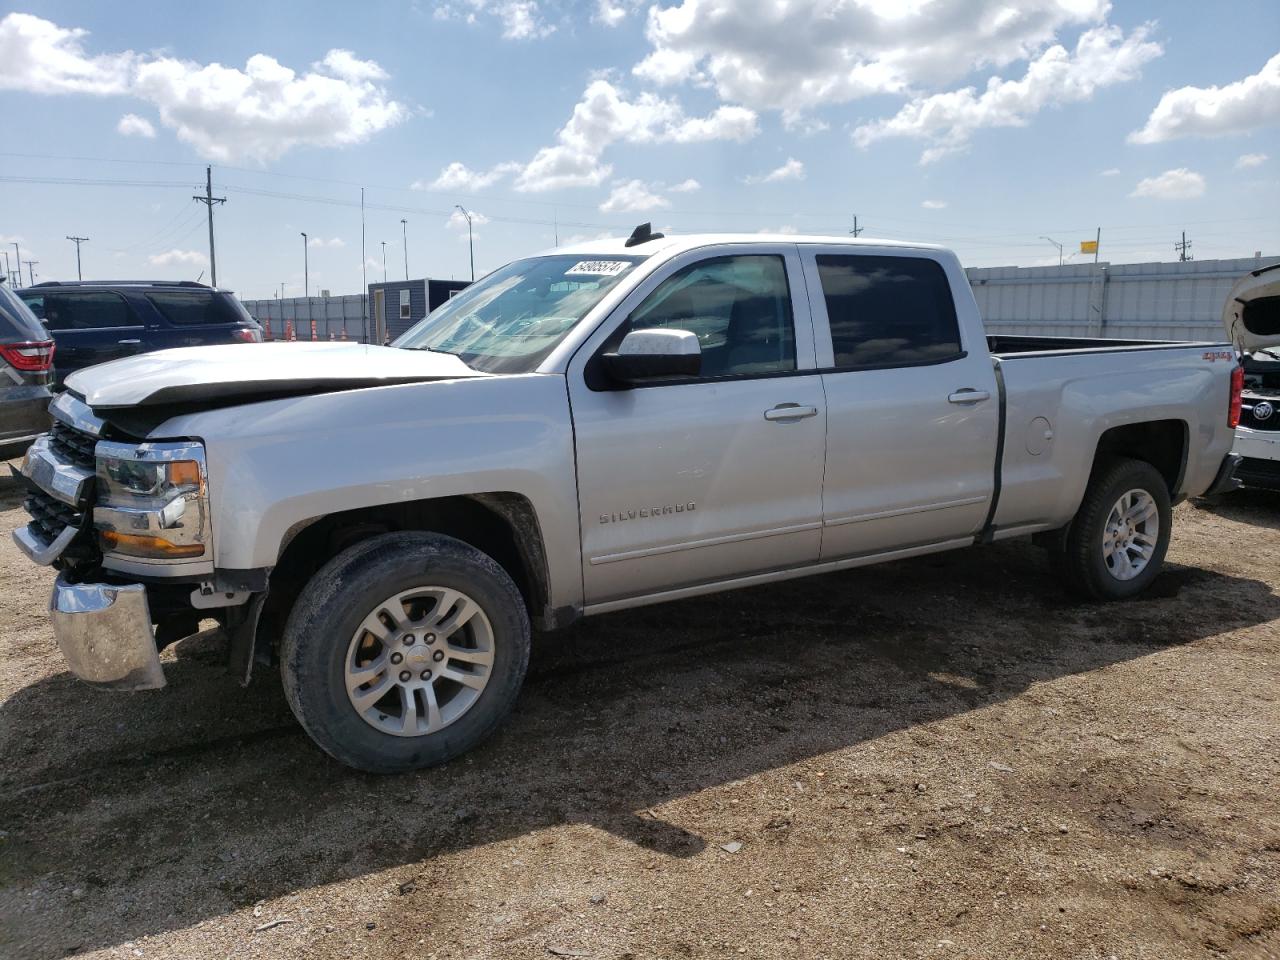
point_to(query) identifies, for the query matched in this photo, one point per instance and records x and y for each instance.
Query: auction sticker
(597, 268)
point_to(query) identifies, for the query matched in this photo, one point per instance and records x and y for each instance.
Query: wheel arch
(1162, 443)
(501, 524)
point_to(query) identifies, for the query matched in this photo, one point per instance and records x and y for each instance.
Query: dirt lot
(935, 758)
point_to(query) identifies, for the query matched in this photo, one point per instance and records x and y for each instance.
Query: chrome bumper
(104, 631)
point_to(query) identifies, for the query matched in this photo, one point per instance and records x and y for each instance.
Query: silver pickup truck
(602, 426)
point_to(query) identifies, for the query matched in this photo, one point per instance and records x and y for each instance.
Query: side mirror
(648, 355)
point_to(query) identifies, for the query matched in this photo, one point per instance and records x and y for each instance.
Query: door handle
(128, 341)
(790, 411)
(968, 395)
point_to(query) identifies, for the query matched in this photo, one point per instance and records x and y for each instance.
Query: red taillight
(247, 335)
(30, 356)
(1237, 389)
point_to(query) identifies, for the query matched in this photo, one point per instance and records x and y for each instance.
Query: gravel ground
(934, 758)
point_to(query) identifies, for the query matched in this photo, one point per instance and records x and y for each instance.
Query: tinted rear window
(17, 322)
(80, 309)
(888, 311)
(185, 309)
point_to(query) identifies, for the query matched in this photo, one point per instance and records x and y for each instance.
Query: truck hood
(1252, 311)
(244, 373)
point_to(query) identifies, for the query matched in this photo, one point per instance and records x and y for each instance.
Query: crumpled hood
(247, 372)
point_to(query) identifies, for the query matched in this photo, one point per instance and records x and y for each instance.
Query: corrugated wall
(332, 316)
(1140, 301)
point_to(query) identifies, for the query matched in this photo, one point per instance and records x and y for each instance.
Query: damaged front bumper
(104, 631)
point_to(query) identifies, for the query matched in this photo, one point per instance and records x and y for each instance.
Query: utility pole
(17, 261)
(8, 275)
(1183, 248)
(857, 230)
(470, 243)
(31, 274)
(1097, 245)
(1056, 244)
(404, 226)
(79, 240)
(364, 277)
(209, 200)
(384, 260)
(306, 269)
(281, 289)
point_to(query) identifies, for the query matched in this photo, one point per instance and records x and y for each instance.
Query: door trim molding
(904, 511)
(708, 542)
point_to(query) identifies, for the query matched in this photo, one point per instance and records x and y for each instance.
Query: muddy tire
(1116, 543)
(404, 651)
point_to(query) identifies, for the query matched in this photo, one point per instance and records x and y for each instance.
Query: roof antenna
(642, 234)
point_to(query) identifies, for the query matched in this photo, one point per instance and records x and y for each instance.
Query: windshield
(510, 320)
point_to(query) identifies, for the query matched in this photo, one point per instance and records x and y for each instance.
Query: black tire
(343, 593)
(1078, 552)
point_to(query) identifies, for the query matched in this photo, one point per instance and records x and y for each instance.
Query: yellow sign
(1088, 246)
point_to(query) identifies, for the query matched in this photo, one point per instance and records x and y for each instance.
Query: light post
(306, 269)
(384, 261)
(1056, 244)
(404, 227)
(470, 243)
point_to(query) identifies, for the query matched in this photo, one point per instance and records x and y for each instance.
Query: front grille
(49, 516)
(71, 445)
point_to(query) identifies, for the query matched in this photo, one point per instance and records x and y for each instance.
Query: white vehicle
(612, 424)
(1252, 314)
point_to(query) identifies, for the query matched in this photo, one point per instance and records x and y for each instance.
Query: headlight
(151, 500)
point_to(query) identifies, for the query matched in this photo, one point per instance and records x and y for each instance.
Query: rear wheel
(404, 651)
(1116, 543)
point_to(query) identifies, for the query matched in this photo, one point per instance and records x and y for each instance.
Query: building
(397, 305)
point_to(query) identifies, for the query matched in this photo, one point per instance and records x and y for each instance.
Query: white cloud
(226, 114)
(685, 186)
(802, 123)
(793, 169)
(458, 177)
(1179, 184)
(934, 204)
(1111, 172)
(605, 116)
(332, 242)
(41, 57)
(176, 257)
(1249, 160)
(786, 229)
(633, 196)
(457, 221)
(1239, 107)
(132, 125)
(1103, 56)
(609, 13)
(807, 53)
(520, 19)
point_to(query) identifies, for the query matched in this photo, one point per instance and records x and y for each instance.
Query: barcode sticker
(597, 268)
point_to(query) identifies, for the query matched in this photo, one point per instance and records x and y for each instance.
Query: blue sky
(981, 124)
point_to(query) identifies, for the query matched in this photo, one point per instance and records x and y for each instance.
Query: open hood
(1252, 311)
(244, 372)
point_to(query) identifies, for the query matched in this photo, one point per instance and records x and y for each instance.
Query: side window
(86, 311)
(191, 309)
(739, 308)
(888, 310)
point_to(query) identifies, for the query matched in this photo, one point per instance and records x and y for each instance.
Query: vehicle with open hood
(601, 426)
(1252, 317)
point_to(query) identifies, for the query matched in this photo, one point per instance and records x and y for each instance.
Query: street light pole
(384, 260)
(306, 269)
(1056, 244)
(470, 243)
(404, 227)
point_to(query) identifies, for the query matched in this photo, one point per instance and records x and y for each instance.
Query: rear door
(717, 476)
(912, 405)
(89, 326)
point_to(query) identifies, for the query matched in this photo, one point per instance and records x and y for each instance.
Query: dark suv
(101, 320)
(26, 358)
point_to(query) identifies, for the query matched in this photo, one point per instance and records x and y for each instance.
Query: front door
(912, 407)
(691, 482)
(88, 326)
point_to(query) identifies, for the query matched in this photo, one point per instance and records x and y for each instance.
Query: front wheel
(1116, 543)
(404, 651)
